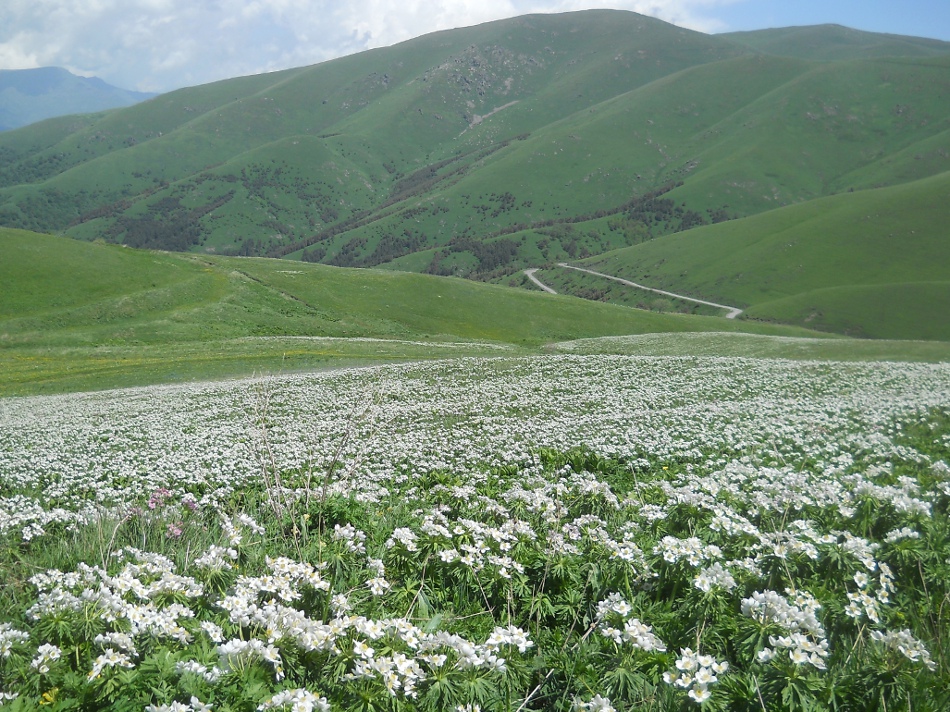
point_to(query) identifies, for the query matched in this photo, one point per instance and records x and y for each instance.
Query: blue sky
(159, 45)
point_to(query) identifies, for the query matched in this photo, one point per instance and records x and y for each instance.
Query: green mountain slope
(832, 42)
(788, 132)
(870, 263)
(78, 315)
(480, 151)
(384, 114)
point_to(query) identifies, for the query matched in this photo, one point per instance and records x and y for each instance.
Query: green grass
(81, 316)
(831, 42)
(916, 310)
(871, 263)
(32, 371)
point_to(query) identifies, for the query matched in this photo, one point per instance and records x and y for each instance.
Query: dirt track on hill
(733, 311)
(529, 273)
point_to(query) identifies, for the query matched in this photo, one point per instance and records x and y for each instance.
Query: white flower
(697, 674)
(110, 658)
(362, 649)
(378, 586)
(600, 704)
(339, 603)
(906, 644)
(45, 654)
(299, 700)
(700, 694)
(214, 631)
(199, 706)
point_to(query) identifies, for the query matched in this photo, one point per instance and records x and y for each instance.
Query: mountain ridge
(31, 95)
(833, 42)
(482, 151)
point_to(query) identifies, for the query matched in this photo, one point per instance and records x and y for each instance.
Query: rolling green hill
(872, 263)
(77, 315)
(832, 42)
(481, 151)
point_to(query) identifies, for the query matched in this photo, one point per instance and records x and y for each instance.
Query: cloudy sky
(159, 45)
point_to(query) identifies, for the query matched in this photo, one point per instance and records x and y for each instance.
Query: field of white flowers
(564, 532)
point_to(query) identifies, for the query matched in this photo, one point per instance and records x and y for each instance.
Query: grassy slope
(833, 42)
(736, 344)
(80, 316)
(404, 105)
(768, 132)
(276, 159)
(872, 262)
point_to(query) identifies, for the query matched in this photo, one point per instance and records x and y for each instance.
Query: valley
(522, 143)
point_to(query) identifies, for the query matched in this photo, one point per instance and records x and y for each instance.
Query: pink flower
(158, 498)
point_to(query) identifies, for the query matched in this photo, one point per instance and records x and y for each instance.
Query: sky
(160, 45)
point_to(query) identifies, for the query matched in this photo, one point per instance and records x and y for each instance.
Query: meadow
(79, 316)
(572, 531)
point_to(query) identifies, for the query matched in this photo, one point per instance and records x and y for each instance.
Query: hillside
(872, 263)
(481, 151)
(31, 95)
(78, 315)
(834, 42)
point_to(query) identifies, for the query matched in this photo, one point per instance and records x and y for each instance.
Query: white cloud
(156, 45)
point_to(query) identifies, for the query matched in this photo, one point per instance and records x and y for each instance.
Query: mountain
(31, 95)
(834, 42)
(480, 151)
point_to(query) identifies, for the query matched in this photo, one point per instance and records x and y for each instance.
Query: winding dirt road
(529, 273)
(733, 312)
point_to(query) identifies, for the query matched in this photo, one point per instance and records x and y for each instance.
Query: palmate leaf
(803, 693)
(751, 637)
(479, 689)
(564, 571)
(627, 684)
(569, 607)
(741, 691)
(541, 606)
(446, 691)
